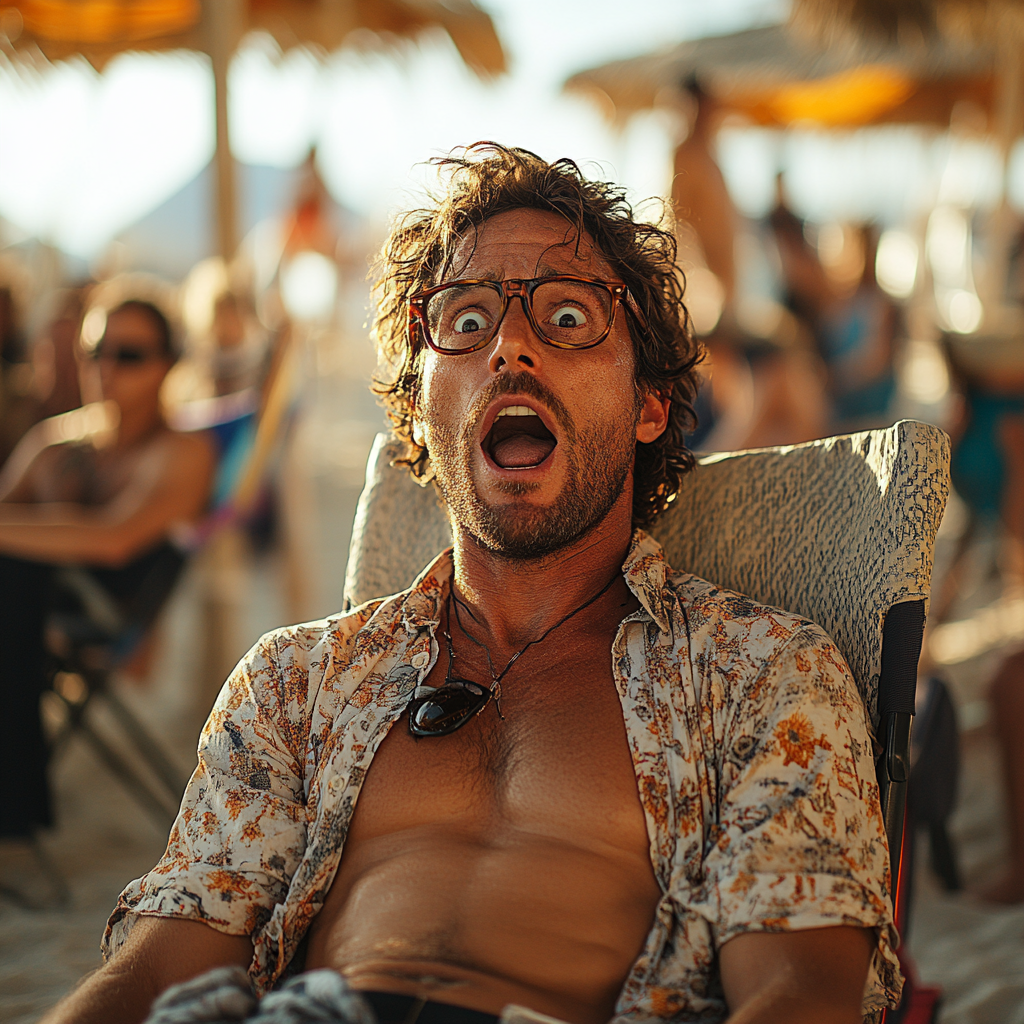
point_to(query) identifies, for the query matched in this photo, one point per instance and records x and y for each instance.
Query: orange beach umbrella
(100, 29)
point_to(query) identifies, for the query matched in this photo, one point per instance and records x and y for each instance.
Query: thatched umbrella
(916, 24)
(777, 76)
(100, 29)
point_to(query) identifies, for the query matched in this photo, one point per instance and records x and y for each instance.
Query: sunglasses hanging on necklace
(450, 706)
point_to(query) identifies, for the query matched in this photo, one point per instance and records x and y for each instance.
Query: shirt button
(421, 659)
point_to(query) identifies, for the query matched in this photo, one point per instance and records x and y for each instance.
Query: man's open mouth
(518, 438)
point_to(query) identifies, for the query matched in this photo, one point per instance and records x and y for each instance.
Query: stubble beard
(598, 460)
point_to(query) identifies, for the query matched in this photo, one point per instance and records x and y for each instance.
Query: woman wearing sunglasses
(100, 487)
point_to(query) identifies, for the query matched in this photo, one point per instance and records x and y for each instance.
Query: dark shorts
(224, 996)
(29, 596)
(389, 1008)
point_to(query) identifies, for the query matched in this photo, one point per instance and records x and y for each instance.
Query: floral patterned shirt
(749, 740)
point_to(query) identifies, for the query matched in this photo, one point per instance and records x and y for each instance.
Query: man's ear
(653, 416)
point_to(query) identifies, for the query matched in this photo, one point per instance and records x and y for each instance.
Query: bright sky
(83, 155)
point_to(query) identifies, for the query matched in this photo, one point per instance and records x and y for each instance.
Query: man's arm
(814, 976)
(115, 533)
(158, 953)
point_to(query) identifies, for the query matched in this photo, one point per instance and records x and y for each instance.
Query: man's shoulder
(301, 642)
(731, 621)
(704, 598)
(325, 646)
(758, 657)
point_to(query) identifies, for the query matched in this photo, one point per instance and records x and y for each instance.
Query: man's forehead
(527, 242)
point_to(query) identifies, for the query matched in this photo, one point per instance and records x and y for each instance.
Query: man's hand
(160, 952)
(814, 976)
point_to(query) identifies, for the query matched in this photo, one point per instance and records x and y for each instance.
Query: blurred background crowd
(191, 192)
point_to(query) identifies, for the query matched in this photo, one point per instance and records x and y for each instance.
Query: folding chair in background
(840, 531)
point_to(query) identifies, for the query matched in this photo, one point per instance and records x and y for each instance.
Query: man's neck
(515, 600)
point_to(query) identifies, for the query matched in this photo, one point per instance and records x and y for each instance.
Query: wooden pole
(225, 557)
(222, 25)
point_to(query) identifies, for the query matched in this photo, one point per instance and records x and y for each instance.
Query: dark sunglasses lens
(447, 708)
(131, 355)
(125, 356)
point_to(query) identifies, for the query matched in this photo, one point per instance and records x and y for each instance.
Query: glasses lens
(446, 708)
(572, 312)
(463, 316)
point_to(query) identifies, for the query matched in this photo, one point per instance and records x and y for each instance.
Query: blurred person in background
(221, 386)
(987, 463)
(987, 470)
(238, 362)
(43, 381)
(226, 383)
(17, 403)
(1006, 696)
(55, 376)
(805, 285)
(851, 319)
(857, 330)
(103, 487)
(705, 214)
(762, 383)
(767, 381)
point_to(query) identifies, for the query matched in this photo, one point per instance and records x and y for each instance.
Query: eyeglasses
(123, 355)
(565, 311)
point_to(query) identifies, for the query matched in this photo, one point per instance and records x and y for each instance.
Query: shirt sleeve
(241, 829)
(800, 841)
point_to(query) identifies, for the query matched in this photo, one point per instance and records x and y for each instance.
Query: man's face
(129, 364)
(532, 445)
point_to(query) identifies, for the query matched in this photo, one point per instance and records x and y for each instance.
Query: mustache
(521, 383)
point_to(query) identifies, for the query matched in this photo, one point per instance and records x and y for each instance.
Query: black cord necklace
(448, 707)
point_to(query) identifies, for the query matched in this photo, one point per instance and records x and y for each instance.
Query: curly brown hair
(486, 179)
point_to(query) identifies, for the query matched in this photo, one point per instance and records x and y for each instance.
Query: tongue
(521, 450)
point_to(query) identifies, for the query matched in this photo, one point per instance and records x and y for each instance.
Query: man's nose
(516, 345)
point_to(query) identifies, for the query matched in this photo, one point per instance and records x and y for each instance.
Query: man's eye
(468, 323)
(568, 316)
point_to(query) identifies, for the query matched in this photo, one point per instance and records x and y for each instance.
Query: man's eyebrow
(494, 274)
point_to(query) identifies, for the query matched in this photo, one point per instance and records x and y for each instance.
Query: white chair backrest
(837, 530)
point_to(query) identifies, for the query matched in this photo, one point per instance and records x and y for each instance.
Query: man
(103, 487)
(554, 773)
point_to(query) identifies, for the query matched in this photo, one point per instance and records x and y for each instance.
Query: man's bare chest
(556, 758)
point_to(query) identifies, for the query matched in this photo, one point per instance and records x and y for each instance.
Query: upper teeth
(516, 410)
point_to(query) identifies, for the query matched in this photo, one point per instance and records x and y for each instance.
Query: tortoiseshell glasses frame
(523, 289)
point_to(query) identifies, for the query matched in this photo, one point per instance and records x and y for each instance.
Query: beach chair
(93, 633)
(839, 530)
